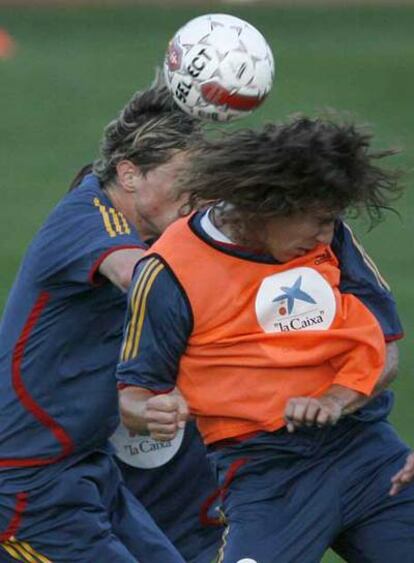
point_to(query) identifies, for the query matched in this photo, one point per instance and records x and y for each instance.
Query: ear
(127, 173)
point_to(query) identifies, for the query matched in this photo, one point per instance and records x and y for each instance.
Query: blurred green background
(74, 68)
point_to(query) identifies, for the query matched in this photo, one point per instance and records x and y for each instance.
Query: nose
(326, 232)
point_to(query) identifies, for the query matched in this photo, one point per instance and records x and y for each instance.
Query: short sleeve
(157, 328)
(361, 277)
(82, 230)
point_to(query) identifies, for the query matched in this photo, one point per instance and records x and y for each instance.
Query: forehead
(328, 216)
(172, 166)
(318, 214)
(297, 222)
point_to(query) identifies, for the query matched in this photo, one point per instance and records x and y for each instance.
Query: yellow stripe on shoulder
(369, 262)
(142, 286)
(105, 217)
(143, 307)
(126, 346)
(124, 223)
(113, 220)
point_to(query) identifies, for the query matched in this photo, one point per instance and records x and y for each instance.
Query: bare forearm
(346, 399)
(386, 378)
(404, 477)
(119, 266)
(390, 369)
(338, 400)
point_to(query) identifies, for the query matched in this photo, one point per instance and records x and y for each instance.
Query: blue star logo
(292, 293)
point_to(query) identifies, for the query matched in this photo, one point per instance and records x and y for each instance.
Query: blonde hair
(149, 131)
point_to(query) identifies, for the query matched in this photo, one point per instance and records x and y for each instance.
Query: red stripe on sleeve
(94, 277)
(394, 337)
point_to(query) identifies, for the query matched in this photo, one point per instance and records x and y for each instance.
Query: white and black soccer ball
(219, 67)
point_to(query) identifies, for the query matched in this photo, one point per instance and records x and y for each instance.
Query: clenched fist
(160, 416)
(165, 415)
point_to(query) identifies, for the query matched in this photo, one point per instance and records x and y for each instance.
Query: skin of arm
(404, 477)
(338, 400)
(119, 266)
(160, 416)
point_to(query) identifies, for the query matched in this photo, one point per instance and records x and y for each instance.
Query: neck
(216, 217)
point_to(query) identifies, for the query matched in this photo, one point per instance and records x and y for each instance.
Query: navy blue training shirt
(60, 337)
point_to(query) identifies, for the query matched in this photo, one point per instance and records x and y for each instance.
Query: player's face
(287, 238)
(156, 203)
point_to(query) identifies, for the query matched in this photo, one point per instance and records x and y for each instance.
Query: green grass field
(75, 68)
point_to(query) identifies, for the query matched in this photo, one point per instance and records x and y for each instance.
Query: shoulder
(87, 196)
(87, 211)
(154, 282)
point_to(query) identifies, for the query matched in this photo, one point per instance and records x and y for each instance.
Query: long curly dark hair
(281, 169)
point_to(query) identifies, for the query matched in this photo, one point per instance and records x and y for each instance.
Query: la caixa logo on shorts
(298, 299)
(142, 451)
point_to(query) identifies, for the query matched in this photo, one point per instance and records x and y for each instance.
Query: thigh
(68, 519)
(206, 555)
(250, 536)
(137, 530)
(174, 508)
(71, 519)
(377, 527)
(272, 524)
(387, 535)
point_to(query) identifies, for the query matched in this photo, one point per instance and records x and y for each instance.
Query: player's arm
(338, 400)
(320, 411)
(387, 376)
(361, 277)
(404, 477)
(161, 416)
(85, 242)
(156, 333)
(119, 265)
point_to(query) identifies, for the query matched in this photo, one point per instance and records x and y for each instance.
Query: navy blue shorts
(87, 515)
(288, 498)
(174, 493)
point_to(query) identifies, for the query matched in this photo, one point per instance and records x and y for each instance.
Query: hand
(165, 415)
(404, 476)
(311, 411)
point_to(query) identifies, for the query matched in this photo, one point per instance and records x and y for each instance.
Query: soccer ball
(218, 67)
